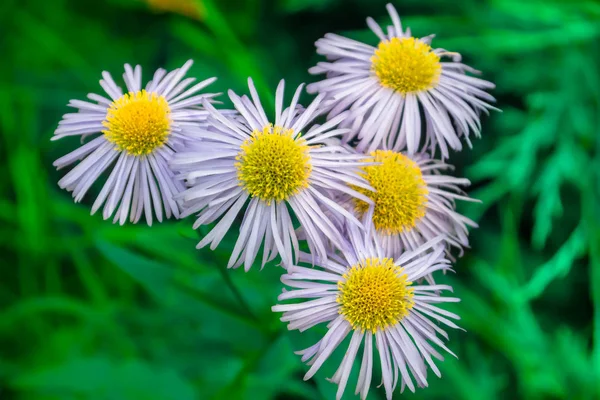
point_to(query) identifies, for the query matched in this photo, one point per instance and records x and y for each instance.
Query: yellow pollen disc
(400, 195)
(272, 165)
(406, 65)
(138, 123)
(375, 294)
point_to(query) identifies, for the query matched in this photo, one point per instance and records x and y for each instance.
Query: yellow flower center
(138, 123)
(272, 165)
(406, 65)
(375, 294)
(400, 195)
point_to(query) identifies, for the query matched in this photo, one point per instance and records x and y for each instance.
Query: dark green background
(90, 310)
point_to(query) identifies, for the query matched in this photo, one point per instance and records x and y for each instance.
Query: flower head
(137, 134)
(365, 292)
(414, 201)
(272, 171)
(401, 94)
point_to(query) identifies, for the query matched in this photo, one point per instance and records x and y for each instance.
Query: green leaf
(558, 266)
(100, 378)
(294, 6)
(548, 205)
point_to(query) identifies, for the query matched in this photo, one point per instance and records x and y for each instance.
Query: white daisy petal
(343, 373)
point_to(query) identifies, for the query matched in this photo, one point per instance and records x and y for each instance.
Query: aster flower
(388, 87)
(414, 202)
(264, 169)
(138, 133)
(364, 292)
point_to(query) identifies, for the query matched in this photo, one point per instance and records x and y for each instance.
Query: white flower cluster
(361, 188)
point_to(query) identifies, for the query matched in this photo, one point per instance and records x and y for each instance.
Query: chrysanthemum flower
(364, 292)
(388, 87)
(274, 166)
(414, 202)
(139, 130)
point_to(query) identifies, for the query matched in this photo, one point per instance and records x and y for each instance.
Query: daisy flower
(414, 202)
(365, 293)
(399, 87)
(137, 134)
(271, 171)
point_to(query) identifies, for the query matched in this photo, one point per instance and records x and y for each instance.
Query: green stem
(231, 285)
(233, 288)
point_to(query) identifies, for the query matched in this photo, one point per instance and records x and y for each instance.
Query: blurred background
(89, 310)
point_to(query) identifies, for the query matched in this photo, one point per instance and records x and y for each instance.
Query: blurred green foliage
(89, 310)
